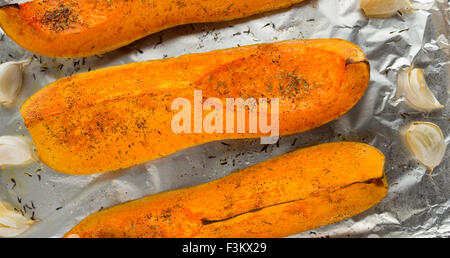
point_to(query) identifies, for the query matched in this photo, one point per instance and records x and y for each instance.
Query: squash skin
(119, 117)
(61, 28)
(289, 194)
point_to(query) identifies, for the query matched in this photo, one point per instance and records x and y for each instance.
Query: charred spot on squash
(17, 6)
(350, 61)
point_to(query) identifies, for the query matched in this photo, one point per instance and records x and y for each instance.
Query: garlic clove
(384, 8)
(14, 151)
(12, 223)
(418, 82)
(413, 87)
(11, 77)
(426, 142)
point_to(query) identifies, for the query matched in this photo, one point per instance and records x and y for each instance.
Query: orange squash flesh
(61, 28)
(289, 194)
(119, 117)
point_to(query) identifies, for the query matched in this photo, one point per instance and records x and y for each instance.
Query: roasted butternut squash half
(62, 28)
(121, 116)
(286, 195)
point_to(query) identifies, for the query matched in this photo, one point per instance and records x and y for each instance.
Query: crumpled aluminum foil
(416, 205)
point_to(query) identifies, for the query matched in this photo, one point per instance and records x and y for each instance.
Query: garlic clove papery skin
(12, 223)
(14, 151)
(413, 87)
(426, 142)
(384, 8)
(11, 79)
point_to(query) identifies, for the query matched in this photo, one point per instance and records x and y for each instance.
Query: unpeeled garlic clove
(14, 151)
(11, 77)
(384, 8)
(426, 142)
(413, 87)
(12, 223)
